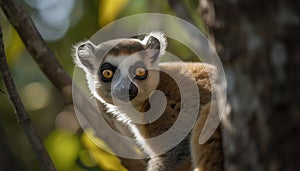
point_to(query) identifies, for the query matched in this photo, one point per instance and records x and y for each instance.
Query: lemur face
(122, 69)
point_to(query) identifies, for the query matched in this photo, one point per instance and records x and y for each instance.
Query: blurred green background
(74, 21)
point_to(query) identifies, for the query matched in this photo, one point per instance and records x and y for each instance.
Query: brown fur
(171, 91)
(205, 157)
(208, 156)
(126, 47)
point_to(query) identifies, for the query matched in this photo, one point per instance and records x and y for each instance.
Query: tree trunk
(258, 43)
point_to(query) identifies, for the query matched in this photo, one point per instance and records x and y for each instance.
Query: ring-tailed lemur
(127, 70)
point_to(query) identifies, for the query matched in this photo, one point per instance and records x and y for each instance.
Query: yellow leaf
(105, 160)
(14, 46)
(63, 147)
(109, 10)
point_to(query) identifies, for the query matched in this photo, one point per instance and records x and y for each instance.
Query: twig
(46, 59)
(180, 9)
(184, 11)
(35, 44)
(23, 118)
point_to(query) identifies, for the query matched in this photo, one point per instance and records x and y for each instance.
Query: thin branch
(184, 11)
(46, 59)
(23, 118)
(180, 9)
(35, 44)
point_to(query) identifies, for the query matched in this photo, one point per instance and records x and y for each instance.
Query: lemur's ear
(84, 56)
(156, 41)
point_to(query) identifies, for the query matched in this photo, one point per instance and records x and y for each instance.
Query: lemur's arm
(177, 159)
(207, 156)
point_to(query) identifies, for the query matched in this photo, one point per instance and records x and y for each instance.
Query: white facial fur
(90, 58)
(145, 87)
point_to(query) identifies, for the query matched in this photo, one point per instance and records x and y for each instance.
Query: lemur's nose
(125, 93)
(133, 91)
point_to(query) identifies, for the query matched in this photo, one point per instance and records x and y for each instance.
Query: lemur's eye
(140, 72)
(107, 73)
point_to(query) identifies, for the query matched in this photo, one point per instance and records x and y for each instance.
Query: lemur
(128, 71)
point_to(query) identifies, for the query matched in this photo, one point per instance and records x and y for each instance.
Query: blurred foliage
(68, 146)
(77, 152)
(109, 10)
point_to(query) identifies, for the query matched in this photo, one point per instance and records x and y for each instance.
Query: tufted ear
(155, 41)
(85, 56)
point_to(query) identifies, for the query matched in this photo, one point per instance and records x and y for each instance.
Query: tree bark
(23, 117)
(258, 42)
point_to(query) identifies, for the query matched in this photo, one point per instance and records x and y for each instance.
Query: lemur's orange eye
(107, 73)
(140, 72)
